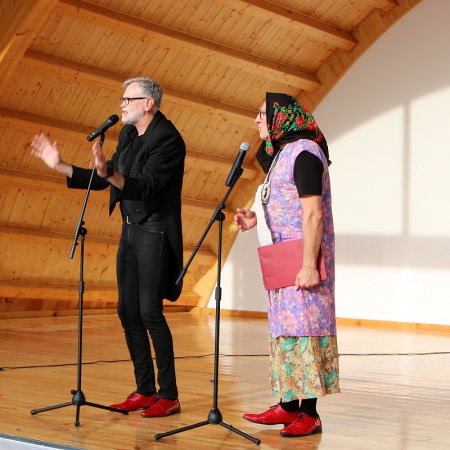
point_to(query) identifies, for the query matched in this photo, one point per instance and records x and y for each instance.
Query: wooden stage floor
(395, 386)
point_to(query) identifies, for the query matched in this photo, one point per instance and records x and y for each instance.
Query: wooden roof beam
(26, 180)
(63, 131)
(49, 239)
(92, 76)
(65, 291)
(318, 30)
(21, 20)
(220, 164)
(384, 5)
(32, 124)
(202, 48)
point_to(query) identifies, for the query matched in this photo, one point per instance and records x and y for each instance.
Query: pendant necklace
(265, 190)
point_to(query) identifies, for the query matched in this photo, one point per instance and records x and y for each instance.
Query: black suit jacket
(153, 185)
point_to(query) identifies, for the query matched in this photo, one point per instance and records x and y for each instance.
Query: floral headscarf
(287, 121)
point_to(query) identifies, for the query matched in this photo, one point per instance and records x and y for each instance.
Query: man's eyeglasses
(127, 100)
(261, 113)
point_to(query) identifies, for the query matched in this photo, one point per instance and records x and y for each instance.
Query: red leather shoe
(162, 407)
(275, 415)
(304, 425)
(136, 401)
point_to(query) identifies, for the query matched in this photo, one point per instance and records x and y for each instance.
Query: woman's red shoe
(273, 416)
(304, 425)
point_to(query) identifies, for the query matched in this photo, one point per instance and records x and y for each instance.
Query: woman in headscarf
(295, 203)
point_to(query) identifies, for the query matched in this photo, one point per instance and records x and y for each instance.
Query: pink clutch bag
(281, 262)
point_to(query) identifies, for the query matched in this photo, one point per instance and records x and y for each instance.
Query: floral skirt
(303, 366)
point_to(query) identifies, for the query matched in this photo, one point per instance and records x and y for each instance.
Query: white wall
(387, 123)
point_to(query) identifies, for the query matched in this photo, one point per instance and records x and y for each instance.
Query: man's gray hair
(150, 88)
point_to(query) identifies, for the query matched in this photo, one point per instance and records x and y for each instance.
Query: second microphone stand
(214, 416)
(78, 397)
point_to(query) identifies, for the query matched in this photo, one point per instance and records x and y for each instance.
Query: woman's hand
(307, 278)
(244, 219)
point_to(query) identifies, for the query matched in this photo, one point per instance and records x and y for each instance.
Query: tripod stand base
(215, 418)
(78, 400)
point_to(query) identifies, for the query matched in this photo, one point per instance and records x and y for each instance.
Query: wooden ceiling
(62, 64)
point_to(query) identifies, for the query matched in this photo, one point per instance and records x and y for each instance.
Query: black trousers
(142, 265)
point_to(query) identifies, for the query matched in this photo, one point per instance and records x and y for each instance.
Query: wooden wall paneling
(70, 71)
(192, 228)
(148, 57)
(41, 94)
(185, 42)
(344, 16)
(171, 67)
(385, 5)
(13, 93)
(14, 308)
(55, 34)
(294, 21)
(42, 39)
(216, 164)
(131, 57)
(25, 206)
(217, 20)
(64, 240)
(199, 180)
(65, 35)
(8, 154)
(36, 183)
(21, 22)
(25, 252)
(67, 132)
(51, 252)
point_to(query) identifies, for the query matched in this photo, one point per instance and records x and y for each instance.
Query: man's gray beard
(132, 120)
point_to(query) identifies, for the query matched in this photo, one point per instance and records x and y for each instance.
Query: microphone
(112, 120)
(236, 170)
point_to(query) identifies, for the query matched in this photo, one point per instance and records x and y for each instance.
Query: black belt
(152, 217)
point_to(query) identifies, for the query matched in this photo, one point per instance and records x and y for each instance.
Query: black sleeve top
(308, 170)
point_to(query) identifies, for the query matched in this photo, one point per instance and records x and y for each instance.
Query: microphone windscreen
(245, 146)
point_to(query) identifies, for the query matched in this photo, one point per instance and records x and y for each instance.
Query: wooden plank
(21, 20)
(87, 311)
(294, 20)
(62, 131)
(54, 291)
(218, 163)
(32, 181)
(30, 289)
(214, 51)
(58, 129)
(49, 239)
(384, 5)
(82, 73)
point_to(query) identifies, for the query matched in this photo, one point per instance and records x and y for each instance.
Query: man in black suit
(145, 175)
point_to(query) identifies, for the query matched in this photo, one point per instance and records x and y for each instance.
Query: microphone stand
(78, 397)
(214, 416)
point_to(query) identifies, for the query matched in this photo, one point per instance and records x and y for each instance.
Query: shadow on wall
(406, 71)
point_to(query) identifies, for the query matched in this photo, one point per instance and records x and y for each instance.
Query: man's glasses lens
(127, 100)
